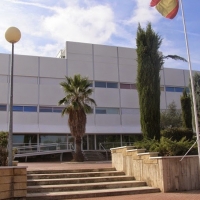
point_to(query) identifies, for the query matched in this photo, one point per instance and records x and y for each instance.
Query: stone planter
(13, 183)
(167, 173)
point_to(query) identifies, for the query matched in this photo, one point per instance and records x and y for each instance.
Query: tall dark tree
(196, 81)
(77, 104)
(186, 110)
(150, 61)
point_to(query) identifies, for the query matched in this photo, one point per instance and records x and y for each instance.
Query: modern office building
(112, 71)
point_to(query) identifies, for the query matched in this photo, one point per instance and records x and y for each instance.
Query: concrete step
(93, 156)
(70, 171)
(88, 186)
(91, 193)
(78, 180)
(74, 175)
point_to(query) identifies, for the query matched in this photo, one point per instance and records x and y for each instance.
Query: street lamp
(12, 35)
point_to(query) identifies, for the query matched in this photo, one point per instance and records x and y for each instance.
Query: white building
(113, 72)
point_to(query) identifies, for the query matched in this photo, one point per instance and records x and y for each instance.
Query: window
(169, 89)
(133, 86)
(174, 89)
(45, 109)
(100, 111)
(3, 107)
(130, 111)
(112, 111)
(91, 84)
(100, 84)
(103, 84)
(125, 86)
(177, 89)
(17, 108)
(107, 110)
(30, 108)
(128, 86)
(57, 109)
(161, 88)
(112, 85)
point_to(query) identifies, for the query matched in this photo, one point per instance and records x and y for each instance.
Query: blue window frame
(30, 108)
(100, 110)
(174, 89)
(91, 84)
(3, 107)
(17, 108)
(169, 89)
(57, 110)
(112, 111)
(45, 109)
(112, 85)
(100, 84)
(178, 89)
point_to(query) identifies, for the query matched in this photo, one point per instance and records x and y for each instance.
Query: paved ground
(191, 195)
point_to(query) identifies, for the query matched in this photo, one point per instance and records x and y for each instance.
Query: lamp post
(12, 35)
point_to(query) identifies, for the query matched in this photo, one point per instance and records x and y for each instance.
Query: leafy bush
(3, 139)
(3, 148)
(170, 117)
(168, 147)
(177, 133)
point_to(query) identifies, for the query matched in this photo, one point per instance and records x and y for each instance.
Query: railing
(30, 148)
(109, 145)
(101, 146)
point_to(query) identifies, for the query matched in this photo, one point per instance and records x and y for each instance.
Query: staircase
(93, 156)
(82, 183)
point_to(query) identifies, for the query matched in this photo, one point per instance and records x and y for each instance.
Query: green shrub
(3, 139)
(167, 147)
(3, 148)
(177, 133)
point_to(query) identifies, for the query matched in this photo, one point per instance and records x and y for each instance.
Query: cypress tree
(186, 110)
(149, 61)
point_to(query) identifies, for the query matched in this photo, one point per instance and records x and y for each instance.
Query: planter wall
(167, 173)
(13, 183)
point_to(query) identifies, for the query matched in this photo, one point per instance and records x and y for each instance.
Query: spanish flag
(167, 8)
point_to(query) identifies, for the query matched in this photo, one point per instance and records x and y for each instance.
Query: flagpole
(192, 82)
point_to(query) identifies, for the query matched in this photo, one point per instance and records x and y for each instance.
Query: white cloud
(45, 28)
(143, 13)
(93, 24)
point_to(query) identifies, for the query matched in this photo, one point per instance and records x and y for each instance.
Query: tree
(171, 117)
(196, 81)
(186, 110)
(150, 61)
(77, 104)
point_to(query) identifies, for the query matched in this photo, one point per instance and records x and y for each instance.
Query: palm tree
(77, 104)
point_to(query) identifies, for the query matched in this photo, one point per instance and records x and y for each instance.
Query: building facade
(112, 72)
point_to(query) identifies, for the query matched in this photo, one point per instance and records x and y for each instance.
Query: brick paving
(189, 195)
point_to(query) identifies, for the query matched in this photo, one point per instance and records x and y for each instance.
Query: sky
(46, 25)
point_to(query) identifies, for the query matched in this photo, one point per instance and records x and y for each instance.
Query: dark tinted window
(100, 84)
(125, 86)
(100, 111)
(30, 108)
(112, 85)
(18, 108)
(3, 107)
(169, 89)
(45, 109)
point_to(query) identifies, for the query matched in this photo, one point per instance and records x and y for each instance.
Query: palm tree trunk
(78, 156)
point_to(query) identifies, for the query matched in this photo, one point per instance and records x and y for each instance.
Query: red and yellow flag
(167, 8)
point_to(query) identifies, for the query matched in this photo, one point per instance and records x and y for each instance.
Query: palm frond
(175, 57)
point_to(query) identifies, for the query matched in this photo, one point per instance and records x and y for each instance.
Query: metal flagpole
(192, 83)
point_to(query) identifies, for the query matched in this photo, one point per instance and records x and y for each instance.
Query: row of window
(32, 109)
(98, 84)
(59, 109)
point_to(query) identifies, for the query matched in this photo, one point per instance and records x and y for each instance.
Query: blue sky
(46, 25)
